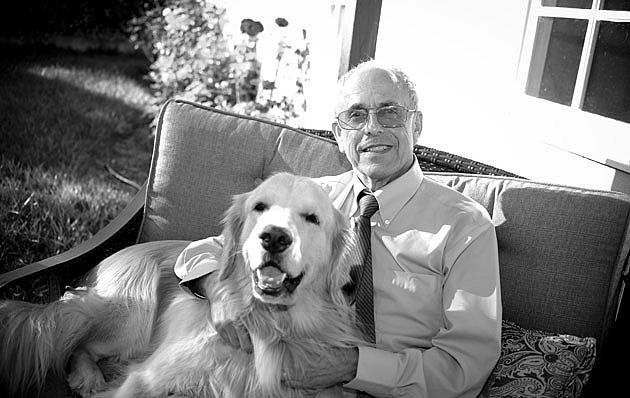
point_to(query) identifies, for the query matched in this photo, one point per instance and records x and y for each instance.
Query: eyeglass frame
(374, 111)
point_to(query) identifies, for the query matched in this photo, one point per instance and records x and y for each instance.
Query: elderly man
(435, 291)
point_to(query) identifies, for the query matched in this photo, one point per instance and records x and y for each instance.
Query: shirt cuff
(376, 371)
(199, 258)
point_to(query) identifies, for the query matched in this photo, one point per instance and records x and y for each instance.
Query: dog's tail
(120, 304)
(38, 338)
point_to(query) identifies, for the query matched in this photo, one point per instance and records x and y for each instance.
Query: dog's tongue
(270, 277)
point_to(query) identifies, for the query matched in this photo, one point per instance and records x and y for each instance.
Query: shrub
(43, 18)
(192, 58)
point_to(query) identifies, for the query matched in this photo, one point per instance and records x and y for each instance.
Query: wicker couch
(563, 251)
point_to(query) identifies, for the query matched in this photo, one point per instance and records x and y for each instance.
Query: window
(577, 53)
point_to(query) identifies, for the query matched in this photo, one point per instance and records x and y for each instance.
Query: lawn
(67, 120)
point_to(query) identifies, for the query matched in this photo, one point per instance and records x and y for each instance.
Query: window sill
(593, 137)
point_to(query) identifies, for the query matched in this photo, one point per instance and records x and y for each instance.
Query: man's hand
(321, 373)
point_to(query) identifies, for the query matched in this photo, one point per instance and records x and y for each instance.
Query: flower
(251, 27)
(281, 22)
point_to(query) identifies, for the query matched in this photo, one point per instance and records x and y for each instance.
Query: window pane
(568, 3)
(556, 58)
(608, 90)
(618, 5)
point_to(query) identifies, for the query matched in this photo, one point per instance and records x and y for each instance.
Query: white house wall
(464, 55)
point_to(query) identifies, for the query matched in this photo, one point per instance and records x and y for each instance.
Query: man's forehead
(372, 97)
(375, 79)
(371, 88)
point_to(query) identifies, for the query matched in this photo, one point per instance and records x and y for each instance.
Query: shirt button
(386, 222)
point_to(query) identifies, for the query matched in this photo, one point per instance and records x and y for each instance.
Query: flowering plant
(193, 59)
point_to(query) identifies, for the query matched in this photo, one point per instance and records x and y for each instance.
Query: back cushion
(561, 250)
(202, 157)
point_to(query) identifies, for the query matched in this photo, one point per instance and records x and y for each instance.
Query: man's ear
(417, 126)
(338, 136)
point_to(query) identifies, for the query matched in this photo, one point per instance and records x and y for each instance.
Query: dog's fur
(155, 339)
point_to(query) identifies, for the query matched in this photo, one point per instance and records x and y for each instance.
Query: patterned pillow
(540, 364)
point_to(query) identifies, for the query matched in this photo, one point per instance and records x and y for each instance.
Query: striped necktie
(361, 271)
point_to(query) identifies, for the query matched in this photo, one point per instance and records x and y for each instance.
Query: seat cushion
(540, 364)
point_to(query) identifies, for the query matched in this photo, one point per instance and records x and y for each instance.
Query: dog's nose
(275, 239)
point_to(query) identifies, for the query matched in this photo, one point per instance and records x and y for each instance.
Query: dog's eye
(260, 206)
(312, 218)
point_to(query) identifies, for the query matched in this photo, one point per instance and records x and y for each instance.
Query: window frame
(606, 151)
(360, 20)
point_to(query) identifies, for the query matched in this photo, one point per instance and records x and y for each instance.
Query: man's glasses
(389, 116)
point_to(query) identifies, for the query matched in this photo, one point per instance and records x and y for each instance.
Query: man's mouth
(376, 148)
(269, 279)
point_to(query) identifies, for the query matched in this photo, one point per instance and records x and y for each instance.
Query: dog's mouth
(269, 279)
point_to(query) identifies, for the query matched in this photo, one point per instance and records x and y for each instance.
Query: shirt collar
(393, 196)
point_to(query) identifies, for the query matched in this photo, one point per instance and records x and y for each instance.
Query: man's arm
(467, 347)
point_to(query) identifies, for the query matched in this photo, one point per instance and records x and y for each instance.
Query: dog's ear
(232, 227)
(339, 275)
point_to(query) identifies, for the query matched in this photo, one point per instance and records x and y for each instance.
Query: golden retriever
(133, 332)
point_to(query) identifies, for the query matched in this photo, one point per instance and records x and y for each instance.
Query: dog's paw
(85, 377)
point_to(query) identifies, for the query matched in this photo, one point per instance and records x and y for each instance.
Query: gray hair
(398, 76)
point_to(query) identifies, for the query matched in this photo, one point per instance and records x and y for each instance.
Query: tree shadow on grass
(49, 118)
(63, 117)
(131, 66)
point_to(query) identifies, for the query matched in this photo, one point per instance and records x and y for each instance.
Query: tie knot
(367, 204)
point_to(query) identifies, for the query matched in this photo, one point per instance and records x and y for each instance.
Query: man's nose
(372, 126)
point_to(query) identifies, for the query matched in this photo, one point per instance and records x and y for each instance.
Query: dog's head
(289, 239)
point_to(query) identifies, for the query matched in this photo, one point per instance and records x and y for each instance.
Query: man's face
(379, 154)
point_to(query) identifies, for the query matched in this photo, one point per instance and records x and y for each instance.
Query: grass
(64, 118)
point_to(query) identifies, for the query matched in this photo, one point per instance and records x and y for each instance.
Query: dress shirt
(437, 296)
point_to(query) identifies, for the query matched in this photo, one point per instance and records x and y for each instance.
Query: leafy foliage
(44, 18)
(192, 58)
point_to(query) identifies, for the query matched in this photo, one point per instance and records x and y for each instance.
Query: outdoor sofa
(563, 251)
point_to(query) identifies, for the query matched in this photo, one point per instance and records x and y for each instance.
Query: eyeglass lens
(387, 116)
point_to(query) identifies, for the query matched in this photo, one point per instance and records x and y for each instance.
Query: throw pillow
(540, 364)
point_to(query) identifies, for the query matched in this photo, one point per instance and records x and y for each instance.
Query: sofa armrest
(609, 374)
(45, 280)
